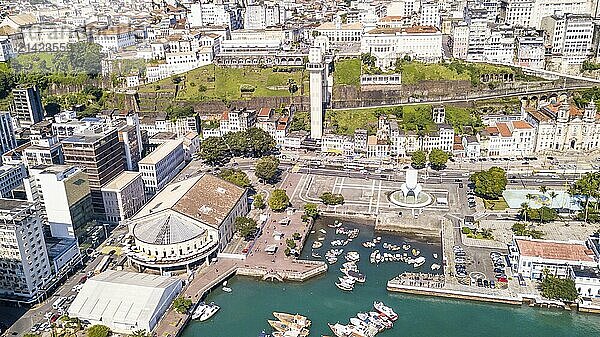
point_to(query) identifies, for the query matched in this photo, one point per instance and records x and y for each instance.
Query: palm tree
(553, 196)
(524, 210)
(139, 333)
(543, 190)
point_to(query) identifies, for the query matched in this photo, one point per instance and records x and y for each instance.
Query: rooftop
(160, 152)
(166, 230)
(554, 250)
(121, 181)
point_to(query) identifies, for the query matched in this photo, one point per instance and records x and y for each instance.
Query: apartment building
(123, 196)
(162, 165)
(237, 120)
(7, 133)
(570, 36)
(26, 109)
(11, 177)
(24, 263)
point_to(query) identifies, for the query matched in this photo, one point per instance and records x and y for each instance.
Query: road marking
(378, 198)
(371, 196)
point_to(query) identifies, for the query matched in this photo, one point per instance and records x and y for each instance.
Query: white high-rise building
(25, 266)
(570, 36)
(64, 196)
(123, 196)
(316, 69)
(7, 133)
(430, 14)
(460, 41)
(162, 165)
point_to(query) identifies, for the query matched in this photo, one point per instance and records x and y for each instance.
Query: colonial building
(562, 127)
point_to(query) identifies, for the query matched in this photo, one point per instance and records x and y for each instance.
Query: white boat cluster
(366, 324)
(332, 255)
(205, 311)
(350, 273)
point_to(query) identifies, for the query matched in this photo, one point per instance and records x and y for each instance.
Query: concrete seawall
(472, 296)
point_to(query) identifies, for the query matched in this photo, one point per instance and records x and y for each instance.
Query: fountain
(411, 192)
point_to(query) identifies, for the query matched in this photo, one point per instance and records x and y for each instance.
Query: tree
(175, 112)
(521, 229)
(214, 151)
(419, 159)
(543, 214)
(278, 201)
(181, 305)
(587, 186)
(311, 210)
(489, 184)
(259, 201)
(524, 210)
(245, 226)
(267, 168)
(556, 288)
(140, 333)
(438, 159)
(98, 331)
(552, 196)
(329, 198)
(237, 177)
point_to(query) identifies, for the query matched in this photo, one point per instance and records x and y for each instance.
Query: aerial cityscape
(294, 168)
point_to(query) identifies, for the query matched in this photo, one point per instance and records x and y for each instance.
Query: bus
(59, 302)
(102, 265)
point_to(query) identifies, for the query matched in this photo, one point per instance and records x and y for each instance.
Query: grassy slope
(227, 82)
(347, 72)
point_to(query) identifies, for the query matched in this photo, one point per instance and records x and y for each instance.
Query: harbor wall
(454, 294)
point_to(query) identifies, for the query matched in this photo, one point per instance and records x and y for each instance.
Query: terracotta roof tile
(554, 250)
(503, 129)
(521, 125)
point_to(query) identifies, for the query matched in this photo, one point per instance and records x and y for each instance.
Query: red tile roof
(225, 115)
(264, 112)
(503, 129)
(554, 250)
(521, 125)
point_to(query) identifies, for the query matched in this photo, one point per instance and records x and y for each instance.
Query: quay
(276, 267)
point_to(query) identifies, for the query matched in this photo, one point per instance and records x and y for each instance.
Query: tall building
(27, 106)
(128, 136)
(11, 177)
(123, 196)
(162, 165)
(316, 69)
(100, 154)
(7, 133)
(570, 36)
(24, 263)
(63, 193)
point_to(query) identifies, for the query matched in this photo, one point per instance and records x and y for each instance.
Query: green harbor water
(245, 311)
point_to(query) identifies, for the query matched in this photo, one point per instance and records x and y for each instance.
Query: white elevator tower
(316, 68)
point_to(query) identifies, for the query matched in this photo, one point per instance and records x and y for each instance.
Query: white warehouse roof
(125, 301)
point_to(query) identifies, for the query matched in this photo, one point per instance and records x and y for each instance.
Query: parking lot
(480, 266)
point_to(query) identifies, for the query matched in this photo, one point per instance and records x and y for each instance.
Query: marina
(246, 313)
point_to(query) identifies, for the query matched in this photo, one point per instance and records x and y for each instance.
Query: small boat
(405, 246)
(316, 255)
(264, 334)
(419, 261)
(322, 238)
(340, 330)
(415, 252)
(227, 289)
(360, 278)
(352, 256)
(435, 266)
(322, 231)
(385, 310)
(345, 286)
(302, 321)
(387, 323)
(346, 279)
(210, 311)
(199, 310)
(435, 256)
(332, 260)
(317, 245)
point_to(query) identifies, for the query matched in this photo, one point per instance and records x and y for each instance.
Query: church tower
(589, 114)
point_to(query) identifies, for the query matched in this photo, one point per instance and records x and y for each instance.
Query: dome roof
(166, 230)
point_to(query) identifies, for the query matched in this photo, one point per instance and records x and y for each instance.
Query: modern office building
(27, 106)
(64, 196)
(7, 132)
(24, 264)
(100, 154)
(11, 177)
(162, 165)
(123, 196)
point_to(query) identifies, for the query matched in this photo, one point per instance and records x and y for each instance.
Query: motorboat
(415, 252)
(419, 261)
(352, 256)
(302, 321)
(227, 289)
(435, 256)
(435, 266)
(387, 323)
(387, 311)
(317, 245)
(405, 246)
(322, 231)
(210, 311)
(360, 278)
(332, 260)
(264, 334)
(316, 255)
(345, 286)
(199, 310)
(340, 330)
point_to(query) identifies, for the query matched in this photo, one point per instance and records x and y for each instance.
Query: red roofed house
(508, 139)
(530, 257)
